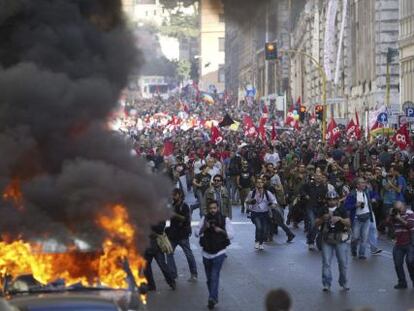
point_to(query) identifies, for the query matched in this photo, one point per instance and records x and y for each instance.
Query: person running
(334, 223)
(245, 182)
(201, 183)
(403, 224)
(358, 203)
(217, 192)
(179, 234)
(313, 192)
(215, 232)
(159, 246)
(259, 201)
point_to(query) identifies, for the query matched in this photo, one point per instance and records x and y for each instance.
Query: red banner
(333, 132)
(402, 137)
(216, 136)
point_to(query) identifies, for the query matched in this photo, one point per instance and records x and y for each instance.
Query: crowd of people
(345, 193)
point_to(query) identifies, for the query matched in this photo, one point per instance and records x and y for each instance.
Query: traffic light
(302, 113)
(270, 51)
(319, 112)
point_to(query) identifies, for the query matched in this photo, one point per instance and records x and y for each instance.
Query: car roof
(56, 298)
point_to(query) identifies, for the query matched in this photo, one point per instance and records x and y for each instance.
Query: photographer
(179, 233)
(215, 233)
(358, 204)
(335, 224)
(259, 201)
(403, 224)
(313, 192)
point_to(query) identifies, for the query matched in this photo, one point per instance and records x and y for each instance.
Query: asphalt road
(247, 276)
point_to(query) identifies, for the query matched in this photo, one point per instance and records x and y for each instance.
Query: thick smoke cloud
(241, 10)
(63, 64)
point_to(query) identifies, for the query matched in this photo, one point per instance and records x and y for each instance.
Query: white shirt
(262, 204)
(272, 158)
(197, 165)
(361, 197)
(230, 235)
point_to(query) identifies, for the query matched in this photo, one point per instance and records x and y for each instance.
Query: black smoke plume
(63, 64)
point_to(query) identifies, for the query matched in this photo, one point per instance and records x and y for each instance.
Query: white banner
(341, 40)
(329, 44)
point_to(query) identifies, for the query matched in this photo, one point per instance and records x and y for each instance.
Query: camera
(252, 201)
(362, 205)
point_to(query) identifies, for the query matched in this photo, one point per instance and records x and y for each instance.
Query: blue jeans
(185, 246)
(373, 237)
(399, 252)
(360, 232)
(312, 229)
(212, 268)
(261, 222)
(341, 252)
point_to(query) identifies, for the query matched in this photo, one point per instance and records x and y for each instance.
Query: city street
(248, 275)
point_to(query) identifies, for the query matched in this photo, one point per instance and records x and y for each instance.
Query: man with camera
(334, 223)
(358, 204)
(259, 203)
(313, 192)
(403, 224)
(215, 233)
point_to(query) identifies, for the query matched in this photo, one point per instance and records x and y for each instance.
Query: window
(221, 18)
(221, 74)
(221, 44)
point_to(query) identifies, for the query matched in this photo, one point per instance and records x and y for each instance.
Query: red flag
(168, 148)
(216, 136)
(248, 122)
(289, 116)
(274, 133)
(265, 109)
(333, 132)
(351, 129)
(261, 129)
(358, 131)
(402, 137)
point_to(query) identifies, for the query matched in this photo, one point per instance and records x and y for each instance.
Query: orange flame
(13, 193)
(88, 268)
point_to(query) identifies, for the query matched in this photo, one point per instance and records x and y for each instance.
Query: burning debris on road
(64, 175)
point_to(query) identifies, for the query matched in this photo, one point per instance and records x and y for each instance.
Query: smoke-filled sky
(63, 64)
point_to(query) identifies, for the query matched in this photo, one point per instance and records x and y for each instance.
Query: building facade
(350, 40)
(212, 45)
(406, 42)
(246, 66)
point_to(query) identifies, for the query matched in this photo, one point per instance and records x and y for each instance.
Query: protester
(259, 201)
(335, 224)
(179, 233)
(403, 224)
(159, 246)
(215, 231)
(217, 192)
(358, 203)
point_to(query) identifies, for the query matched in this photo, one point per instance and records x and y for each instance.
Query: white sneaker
(326, 288)
(261, 247)
(256, 245)
(311, 247)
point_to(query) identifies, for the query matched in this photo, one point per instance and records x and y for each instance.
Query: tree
(183, 70)
(181, 26)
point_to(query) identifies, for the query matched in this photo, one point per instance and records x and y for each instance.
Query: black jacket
(180, 229)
